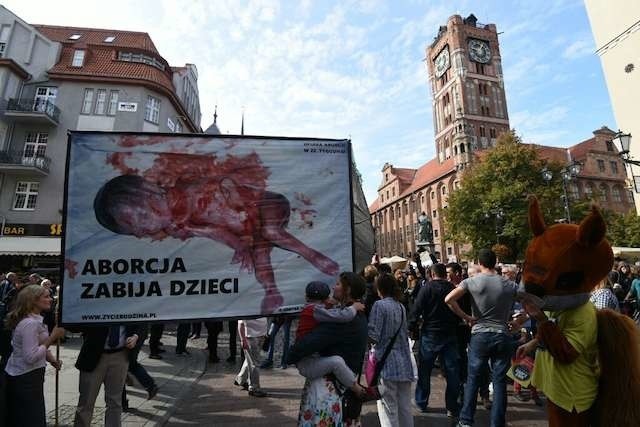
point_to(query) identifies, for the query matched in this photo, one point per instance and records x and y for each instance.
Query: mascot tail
(619, 348)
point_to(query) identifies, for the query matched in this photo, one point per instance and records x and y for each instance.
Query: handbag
(351, 402)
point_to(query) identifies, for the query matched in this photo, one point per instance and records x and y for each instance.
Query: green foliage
(622, 229)
(501, 180)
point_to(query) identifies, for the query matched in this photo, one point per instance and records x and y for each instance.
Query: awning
(30, 245)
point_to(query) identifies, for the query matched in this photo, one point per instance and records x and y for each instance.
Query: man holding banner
(103, 359)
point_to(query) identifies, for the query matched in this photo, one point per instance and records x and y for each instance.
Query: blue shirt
(387, 315)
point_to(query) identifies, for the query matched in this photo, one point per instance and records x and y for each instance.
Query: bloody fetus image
(184, 196)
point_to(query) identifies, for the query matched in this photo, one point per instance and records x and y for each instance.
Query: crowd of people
(466, 322)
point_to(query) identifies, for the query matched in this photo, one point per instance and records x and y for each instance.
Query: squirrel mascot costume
(587, 361)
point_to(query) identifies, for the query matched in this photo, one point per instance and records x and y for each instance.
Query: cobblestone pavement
(214, 400)
(173, 374)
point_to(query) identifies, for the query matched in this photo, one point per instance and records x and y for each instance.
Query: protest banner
(181, 227)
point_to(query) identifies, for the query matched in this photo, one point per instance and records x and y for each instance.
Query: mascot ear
(592, 229)
(536, 220)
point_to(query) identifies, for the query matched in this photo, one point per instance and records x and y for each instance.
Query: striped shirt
(387, 315)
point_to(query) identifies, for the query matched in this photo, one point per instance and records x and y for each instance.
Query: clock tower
(465, 75)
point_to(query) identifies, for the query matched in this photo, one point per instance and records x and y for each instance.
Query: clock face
(442, 62)
(479, 51)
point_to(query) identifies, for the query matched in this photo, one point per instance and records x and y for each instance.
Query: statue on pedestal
(425, 230)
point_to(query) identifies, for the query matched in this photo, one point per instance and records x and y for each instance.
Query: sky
(354, 68)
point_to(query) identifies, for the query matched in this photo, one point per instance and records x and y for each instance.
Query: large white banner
(162, 227)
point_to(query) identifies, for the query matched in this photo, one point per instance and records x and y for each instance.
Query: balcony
(15, 162)
(33, 111)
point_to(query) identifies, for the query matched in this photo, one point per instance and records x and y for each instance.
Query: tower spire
(215, 115)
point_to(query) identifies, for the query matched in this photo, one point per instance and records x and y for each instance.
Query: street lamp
(622, 142)
(567, 173)
(498, 214)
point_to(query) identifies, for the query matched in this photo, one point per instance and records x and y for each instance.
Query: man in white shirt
(251, 332)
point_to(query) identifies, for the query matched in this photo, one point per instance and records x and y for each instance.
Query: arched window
(588, 191)
(444, 190)
(616, 194)
(574, 192)
(461, 148)
(602, 193)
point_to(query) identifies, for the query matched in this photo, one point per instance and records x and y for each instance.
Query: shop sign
(11, 229)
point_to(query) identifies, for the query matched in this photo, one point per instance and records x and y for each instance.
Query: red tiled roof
(430, 172)
(133, 39)
(579, 151)
(101, 63)
(405, 175)
(375, 205)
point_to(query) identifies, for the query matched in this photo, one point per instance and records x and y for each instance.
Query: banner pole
(56, 423)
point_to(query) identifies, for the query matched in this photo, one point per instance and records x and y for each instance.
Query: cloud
(579, 49)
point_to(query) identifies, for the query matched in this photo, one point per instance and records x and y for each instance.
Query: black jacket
(93, 340)
(430, 305)
(348, 340)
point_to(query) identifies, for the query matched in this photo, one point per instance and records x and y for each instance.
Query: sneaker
(284, 366)
(521, 397)
(257, 393)
(267, 364)
(152, 391)
(451, 414)
(245, 386)
(461, 424)
(155, 356)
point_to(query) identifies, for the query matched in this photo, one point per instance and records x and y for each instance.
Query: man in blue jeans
(437, 337)
(492, 298)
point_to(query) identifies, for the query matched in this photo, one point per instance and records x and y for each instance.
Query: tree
(490, 206)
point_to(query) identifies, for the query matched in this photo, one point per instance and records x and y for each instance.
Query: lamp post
(622, 141)
(567, 173)
(498, 214)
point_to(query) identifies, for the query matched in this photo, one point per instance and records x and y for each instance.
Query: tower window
(492, 132)
(482, 131)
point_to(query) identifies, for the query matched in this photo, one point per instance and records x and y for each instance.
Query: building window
(35, 145)
(78, 58)
(152, 112)
(393, 192)
(603, 193)
(444, 190)
(609, 145)
(434, 213)
(601, 165)
(75, 36)
(109, 39)
(87, 102)
(574, 192)
(433, 195)
(614, 167)
(492, 132)
(26, 196)
(113, 103)
(139, 57)
(616, 194)
(482, 131)
(435, 233)
(471, 98)
(588, 191)
(4, 39)
(449, 250)
(101, 101)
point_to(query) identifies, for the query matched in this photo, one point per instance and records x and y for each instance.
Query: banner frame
(70, 134)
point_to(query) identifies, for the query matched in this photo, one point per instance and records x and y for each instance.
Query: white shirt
(255, 327)
(29, 352)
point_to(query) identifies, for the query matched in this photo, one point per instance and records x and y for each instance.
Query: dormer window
(110, 39)
(78, 58)
(75, 36)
